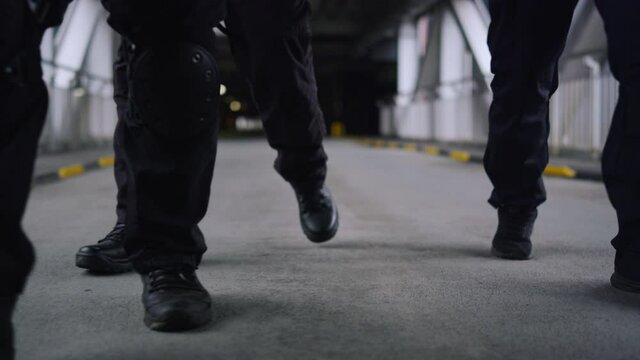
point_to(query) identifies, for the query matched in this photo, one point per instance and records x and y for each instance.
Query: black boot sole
(325, 236)
(177, 321)
(510, 255)
(625, 284)
(103, 265)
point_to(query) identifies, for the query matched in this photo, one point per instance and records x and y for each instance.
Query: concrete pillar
(80, 112)
(75, 40)
(408, 62)
(101, 117)
(454, 111)
(455, 65)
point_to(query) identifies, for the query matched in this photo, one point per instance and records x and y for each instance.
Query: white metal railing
(79, 117)
(580, 115)
(77, 63)
(581, 112)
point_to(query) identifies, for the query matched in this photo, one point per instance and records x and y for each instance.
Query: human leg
(271, 42)
(169, 147)
(526, 38)
(108, 256)
(621, 156)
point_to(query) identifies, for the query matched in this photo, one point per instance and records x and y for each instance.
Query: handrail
(83, 73)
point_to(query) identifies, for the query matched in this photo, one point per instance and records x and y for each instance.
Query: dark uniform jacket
(22, 23)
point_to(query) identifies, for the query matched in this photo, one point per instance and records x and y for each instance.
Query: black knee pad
(174, 90)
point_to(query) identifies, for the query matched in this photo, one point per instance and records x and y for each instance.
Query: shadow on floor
(229, 308)
(441, 251)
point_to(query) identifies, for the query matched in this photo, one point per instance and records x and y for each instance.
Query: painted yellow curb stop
(464, 156)
(432, 150)
(70, 171)
(560, 170)
(460, 155)
(106, 161)
(410, 147)
(338, 129)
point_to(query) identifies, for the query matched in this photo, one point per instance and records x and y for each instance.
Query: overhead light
(223, 89)
(235, 106)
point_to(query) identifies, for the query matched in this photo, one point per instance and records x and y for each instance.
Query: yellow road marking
(460, 155)
(106, 161)
(338, 129)
(560, 170)
(432, 150)
(70, 171)
(410, 147)
(551, 170)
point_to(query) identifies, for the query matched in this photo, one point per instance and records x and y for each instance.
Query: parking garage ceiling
(344, 30)
(362, 22)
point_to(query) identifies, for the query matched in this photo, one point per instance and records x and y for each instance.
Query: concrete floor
(408, 276)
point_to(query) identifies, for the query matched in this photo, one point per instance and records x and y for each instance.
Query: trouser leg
(526, 38)
(23, 106)
(120, 96)
(22, 113)
(621, 157)
(120, 175)
(271, 42)
(169, 136)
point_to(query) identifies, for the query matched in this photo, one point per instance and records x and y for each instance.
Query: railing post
(595, 70)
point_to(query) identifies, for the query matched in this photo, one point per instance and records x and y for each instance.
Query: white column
(75, 41)
(454, 108)
(455, 66)
(595, 70)
(407, 62)
(101, 117)
(475, 29)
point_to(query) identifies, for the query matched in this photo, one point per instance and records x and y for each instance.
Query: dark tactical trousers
(526, 38)
(163, 190)
(23, 106)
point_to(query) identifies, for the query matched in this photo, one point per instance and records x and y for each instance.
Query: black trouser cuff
(304, 169)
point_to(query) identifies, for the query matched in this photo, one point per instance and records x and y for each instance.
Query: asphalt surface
(409, 275)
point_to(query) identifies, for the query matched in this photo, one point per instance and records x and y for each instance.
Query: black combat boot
(318, 214)
(513, 237)
(174, 300)
(627, 271)
(7, 303)
(107, 256)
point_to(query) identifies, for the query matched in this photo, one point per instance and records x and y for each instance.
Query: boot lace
(163, 279)
(314, 201)
(117, 234)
